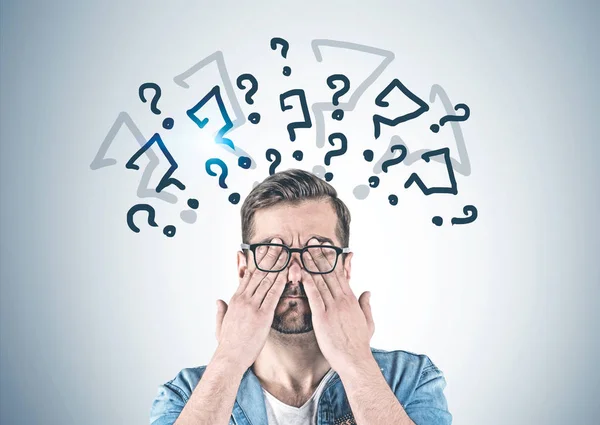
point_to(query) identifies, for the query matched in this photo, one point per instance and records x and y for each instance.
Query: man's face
(295, 226)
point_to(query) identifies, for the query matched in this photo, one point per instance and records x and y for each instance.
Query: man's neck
(291, 362)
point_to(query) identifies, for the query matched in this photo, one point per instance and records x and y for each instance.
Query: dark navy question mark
(307, 123)
(234, 198)
(387, 164)
(338, 114)
(457, 118)
(471, 215)
(167, 122)
(285, 46)
(336, 152)
(374, 180)
(273, 156)
(168, 231)
(254, 117)
(469, 210)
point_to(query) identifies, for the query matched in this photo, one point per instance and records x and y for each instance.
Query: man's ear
(242, 264)
(348, 264)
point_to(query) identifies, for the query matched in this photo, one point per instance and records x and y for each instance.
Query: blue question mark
(222, 166)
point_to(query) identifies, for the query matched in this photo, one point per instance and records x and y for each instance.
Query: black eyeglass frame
(252, 247)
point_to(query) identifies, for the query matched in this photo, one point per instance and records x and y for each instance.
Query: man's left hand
(343, 324)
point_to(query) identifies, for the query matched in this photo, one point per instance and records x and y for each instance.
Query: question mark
(469, 217)
(457, 118)
(254, 117)
(469, 210)
(307, 123)
(338, 114)
(141, 207)
(167, 122)
(285, 46)
(387, 164)
(168, 231)
(253, 88)
(234, 198)
(157, 93)
(275, 161)
(336, 152)
(374, 180)
(222, 166)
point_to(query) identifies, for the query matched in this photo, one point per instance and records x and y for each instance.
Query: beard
(292, 316)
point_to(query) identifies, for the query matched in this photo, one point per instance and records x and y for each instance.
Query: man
(293, 343)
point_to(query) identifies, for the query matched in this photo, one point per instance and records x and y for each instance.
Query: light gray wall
(94, 317)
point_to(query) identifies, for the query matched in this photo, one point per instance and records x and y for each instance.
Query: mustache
(297, 291)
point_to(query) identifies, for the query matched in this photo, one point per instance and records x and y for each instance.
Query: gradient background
(95, 317)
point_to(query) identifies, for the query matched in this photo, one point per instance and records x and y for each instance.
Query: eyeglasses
(317, 259)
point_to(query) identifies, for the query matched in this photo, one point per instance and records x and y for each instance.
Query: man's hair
(294, 186)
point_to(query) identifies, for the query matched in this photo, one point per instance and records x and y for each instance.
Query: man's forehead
(296, 221)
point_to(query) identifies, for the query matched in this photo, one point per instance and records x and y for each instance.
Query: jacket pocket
(347, 419)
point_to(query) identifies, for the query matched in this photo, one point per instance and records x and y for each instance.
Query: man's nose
(294, 268)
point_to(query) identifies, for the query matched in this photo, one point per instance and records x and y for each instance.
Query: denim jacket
(417, 383)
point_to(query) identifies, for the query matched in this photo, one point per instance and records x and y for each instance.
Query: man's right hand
(244, 325)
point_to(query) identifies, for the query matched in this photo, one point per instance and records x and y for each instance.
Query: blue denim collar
(250, 409)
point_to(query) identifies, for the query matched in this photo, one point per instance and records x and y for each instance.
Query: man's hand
(244, 325)
(342, 324)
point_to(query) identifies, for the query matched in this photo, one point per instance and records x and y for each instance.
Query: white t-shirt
(279, 413)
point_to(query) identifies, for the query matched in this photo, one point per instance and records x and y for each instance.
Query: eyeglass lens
(321, 259)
